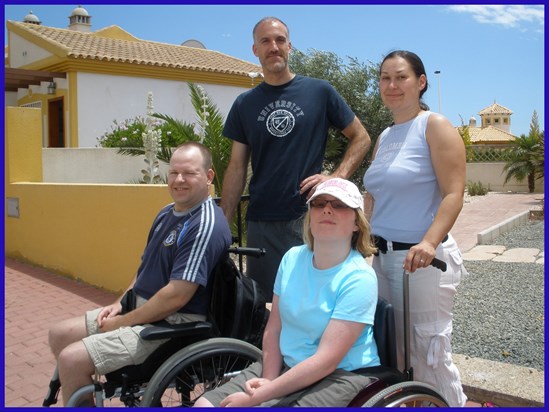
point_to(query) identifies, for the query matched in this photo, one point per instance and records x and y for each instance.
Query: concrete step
(503, 384)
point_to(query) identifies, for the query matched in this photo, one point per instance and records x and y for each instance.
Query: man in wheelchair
(185, 242)
(320, 327)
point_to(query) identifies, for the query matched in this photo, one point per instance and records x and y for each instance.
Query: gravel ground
(499, 307)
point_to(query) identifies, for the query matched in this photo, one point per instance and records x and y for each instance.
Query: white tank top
(403, 183)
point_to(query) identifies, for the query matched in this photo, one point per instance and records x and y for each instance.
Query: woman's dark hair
(417, 66)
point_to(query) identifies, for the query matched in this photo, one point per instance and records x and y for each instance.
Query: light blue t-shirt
(403, 183)
(309, 298)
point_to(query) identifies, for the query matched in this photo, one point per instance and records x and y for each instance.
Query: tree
(357, 84)
(208, 129)
(463, 131)
(539, 155)
(526, 156)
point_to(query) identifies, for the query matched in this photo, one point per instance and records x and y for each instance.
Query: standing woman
(320, 327)
(415, 188)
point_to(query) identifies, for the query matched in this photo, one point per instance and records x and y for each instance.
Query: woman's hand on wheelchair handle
(419, 256)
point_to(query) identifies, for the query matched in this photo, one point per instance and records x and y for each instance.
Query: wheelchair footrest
(51, 397)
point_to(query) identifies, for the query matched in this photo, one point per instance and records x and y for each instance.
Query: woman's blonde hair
(361, 240)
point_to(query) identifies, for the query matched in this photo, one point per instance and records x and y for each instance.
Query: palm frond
(131, 151)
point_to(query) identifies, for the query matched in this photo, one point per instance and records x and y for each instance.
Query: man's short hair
(206, 153)
(270, 18)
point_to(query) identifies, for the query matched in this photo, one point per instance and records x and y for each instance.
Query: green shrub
(477, 189)
(129, 133)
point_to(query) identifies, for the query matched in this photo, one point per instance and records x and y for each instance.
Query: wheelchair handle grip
(439, 264)
(248, 251)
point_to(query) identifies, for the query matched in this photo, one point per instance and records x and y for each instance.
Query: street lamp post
(437, 72)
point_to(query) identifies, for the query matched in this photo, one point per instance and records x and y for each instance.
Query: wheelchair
(388, 387)
(198, 356)
(201, 356)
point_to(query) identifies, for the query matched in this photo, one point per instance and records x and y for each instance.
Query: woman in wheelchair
(320, 327)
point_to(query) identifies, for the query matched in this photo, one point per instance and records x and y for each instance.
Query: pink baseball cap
(341, 189)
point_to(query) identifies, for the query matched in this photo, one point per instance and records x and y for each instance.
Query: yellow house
(495, 126)
(83, 80)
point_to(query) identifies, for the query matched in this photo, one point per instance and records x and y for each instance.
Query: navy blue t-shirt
(184, 246)
(286, 128)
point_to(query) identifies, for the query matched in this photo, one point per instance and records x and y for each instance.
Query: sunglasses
(321, 204)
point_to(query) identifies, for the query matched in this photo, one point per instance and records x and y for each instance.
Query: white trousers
(431, 300)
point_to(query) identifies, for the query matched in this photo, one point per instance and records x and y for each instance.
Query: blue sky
(485, 53)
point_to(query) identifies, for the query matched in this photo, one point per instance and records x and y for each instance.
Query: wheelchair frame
(389, 387)
(200, 341)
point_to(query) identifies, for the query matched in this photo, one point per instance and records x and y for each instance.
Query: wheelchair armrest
(188, 329)
(387, 374)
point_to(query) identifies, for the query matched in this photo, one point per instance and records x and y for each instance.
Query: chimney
(80, 20)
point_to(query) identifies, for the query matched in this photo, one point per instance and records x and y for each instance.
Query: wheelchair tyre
(196, 369)
(407, 394)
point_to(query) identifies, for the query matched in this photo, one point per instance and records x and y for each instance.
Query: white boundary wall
(491, 174)
(92, 165)
(99, 165)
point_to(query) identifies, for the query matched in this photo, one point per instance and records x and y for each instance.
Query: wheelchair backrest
(384, 333)
(237, 308)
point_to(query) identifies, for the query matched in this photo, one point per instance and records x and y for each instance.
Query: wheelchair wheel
(196, 369)
(409, 394)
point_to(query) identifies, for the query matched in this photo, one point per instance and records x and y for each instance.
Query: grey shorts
(113, 350)
(336, 390)
(277, 238)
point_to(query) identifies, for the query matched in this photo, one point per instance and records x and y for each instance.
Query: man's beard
(277, 67)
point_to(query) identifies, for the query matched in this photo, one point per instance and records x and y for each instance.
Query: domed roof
(31, 18)
(80, 11)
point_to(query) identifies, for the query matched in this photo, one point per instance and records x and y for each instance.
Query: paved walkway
(480, 216)
(35, 298)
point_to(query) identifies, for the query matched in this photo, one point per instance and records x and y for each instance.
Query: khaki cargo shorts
(335, 390)
(113, 350)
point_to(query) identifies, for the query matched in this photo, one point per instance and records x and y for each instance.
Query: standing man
(282, 125)
(185, 242)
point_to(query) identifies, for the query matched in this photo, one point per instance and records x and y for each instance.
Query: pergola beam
(21, 78)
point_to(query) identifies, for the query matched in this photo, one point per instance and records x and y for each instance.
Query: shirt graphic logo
(170, 240)
(280, 123)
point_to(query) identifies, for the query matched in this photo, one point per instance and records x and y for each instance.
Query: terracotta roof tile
(98, 47)
(495, 109)
(489, 134)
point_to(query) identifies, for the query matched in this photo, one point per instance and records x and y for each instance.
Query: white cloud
(506, 15)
